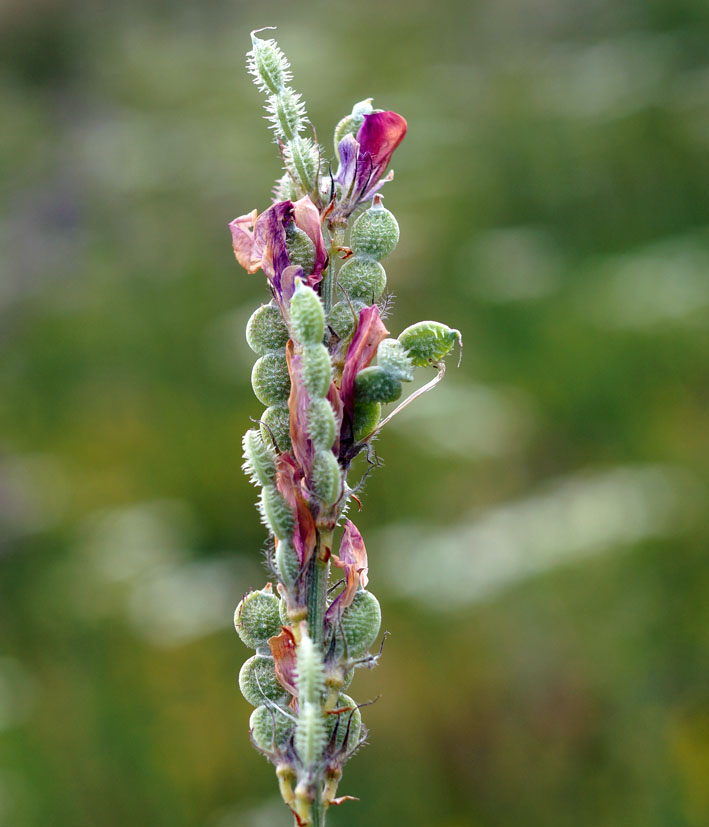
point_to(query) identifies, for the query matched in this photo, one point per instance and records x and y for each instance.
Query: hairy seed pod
(344, 317)
(259, 459)
(376, 384)
(258, 681)
(310, 733)
(366, 419)
(392, 356)
(347, 723)
(362, 278)
(271, 727)
(321, 424)
(266, 331)
(284, 189)
(268, 65)
(301, 250)
(286, 112)
(256, 618)
(276, 514)
(270, 379)
(317, 370)
(288, 568)
(301, 157)
(360, 624)
(375, 233)
(327, 480)
(306, 315)
(428, 342)
(310, 678)
(275, 425)
(350, 124)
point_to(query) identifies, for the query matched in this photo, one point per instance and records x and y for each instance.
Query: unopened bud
(259, 459)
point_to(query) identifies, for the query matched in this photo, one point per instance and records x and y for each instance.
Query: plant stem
(337, 237)
(317, 588)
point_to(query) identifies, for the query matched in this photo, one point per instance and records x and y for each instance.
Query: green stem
(337, 237)
(318, 810)
(317, 588)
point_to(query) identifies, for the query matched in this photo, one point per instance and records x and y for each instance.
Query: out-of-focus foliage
(537, 535)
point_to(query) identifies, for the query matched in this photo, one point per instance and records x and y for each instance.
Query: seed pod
(258, 681)
(288, 567)
(266, 331)
(256, 618)
(301, 250)
(276, 514)
(271, 727)
(275, 425)
(259, 459)
(310, 678)
(347, 723)
(428, 342)
(284, 189)
(344, 317)
(321, 424)
(270, 379)
(310, 734)
(301, 157)
(362, 278)
(269, 66)
(392, 356)
(317, 371)
(366, 419)
(360, 624)
(286, 112)
(375, 384)
(375, 233)
(327, 481)
(350, 124)
(307, 315)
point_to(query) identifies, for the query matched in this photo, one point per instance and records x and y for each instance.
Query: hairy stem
(317, 587)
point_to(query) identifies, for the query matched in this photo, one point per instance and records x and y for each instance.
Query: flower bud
(428, 342)
(362, 278)
(258, 681)
(276, 514)
(275, 425)
(321, 424)
(317, 371)
(307, 315)
(270, 380)
(376, 384)
(392, 356)
(259, 459)
(360, 623)
(366, 419)
(288, 567)
(327, 482)
(266, 331)
(301, 250)
(271, 727)
(375, 233)
(344, 316)
(347, 723)
(256, 618)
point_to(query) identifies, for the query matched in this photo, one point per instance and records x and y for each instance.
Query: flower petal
(307, 218)
(242, 239)
(362, 349)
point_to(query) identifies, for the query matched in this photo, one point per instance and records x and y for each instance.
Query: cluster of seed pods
(326, 365)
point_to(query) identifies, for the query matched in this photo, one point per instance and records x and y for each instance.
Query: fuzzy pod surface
(376, 384)
(276, 513)
(270, 379)
(271, 727)
(375, 233)
(362, 278)
(258, 681)
(316, 370)
(321, 423)
(266, 331)
(343, 317)
(275, 426)
(307, 315)
(256, 618)
(360, 623)
(259, 459)
(347, 723)
(428, 342)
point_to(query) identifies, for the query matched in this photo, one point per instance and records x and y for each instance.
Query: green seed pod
(344, 317)
(317, 370)
(366, 419)
(310, 678)
(362, 278)
(269, 66)
(256, 618)
(270, 379)
(392, 356)
(286, 112)
(301, 250)
(301, 157)
(360, 624)
(258, 681)
(321, 424)
(327, 481)
(259, 459)
(375, 233)
(288, 567)
(276, 514)
(275, 425)
(306, 315)
(271, 727)
(348, 723)
(310, 733)
(376, 384)
(428, 342)
(266, 331)
(284, 189)
(350, 124)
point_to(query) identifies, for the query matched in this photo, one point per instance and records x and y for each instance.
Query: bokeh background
(537, 536)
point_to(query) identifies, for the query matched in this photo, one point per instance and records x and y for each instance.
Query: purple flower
(364, 159)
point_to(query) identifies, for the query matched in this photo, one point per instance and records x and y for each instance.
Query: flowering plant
(320, 245)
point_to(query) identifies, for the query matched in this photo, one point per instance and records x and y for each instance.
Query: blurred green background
(537, 536)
